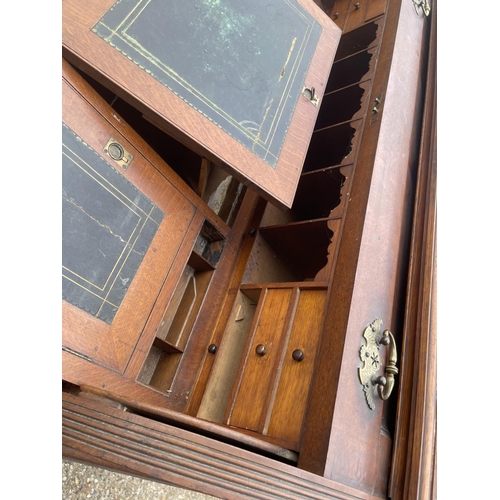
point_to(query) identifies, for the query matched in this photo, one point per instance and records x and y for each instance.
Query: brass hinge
(377, 104)
(310, 94)
(76, 353)
(422, 4)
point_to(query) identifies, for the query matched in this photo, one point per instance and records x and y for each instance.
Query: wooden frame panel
(112, 344)
(90, 52)
(414, 457)
(370, 276)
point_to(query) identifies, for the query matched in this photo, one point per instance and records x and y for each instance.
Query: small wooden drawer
(340, 12)
(271, 391)
(356, 13)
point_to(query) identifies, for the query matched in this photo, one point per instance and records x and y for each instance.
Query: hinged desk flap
(224, 77)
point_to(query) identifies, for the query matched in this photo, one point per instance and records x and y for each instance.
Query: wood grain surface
(88, 51)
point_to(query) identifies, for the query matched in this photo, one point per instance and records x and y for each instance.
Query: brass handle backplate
(422, 4)
(370, 355)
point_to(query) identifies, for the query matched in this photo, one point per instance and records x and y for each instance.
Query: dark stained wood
(323, 193)
(199, 263)
(71, 453)
(92, 54)
(305, 246)
(291, 446)
(343, 105)
(363, 38)
(334, 145)
(414, 460)
(185, 162)
(369, 276)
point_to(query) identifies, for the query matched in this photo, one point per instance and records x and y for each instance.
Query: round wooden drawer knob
(212, 348)
(261, 350)
(298, 355)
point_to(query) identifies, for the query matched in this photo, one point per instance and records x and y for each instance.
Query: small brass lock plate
(310, 95)
(118, 153)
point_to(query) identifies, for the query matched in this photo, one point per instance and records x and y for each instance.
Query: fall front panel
(108, 225)
(239, 64)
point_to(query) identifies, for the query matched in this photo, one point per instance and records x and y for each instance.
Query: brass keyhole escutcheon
(261, 350)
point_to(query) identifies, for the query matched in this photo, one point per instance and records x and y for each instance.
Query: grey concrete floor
(81, 482)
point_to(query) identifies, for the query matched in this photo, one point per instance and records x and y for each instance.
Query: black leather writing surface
(107, 227)
(241, 63)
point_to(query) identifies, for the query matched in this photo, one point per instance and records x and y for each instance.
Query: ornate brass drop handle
(370, 355)
(422, 4)
(385, 384)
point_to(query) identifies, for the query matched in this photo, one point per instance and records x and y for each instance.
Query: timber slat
(145, 447)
